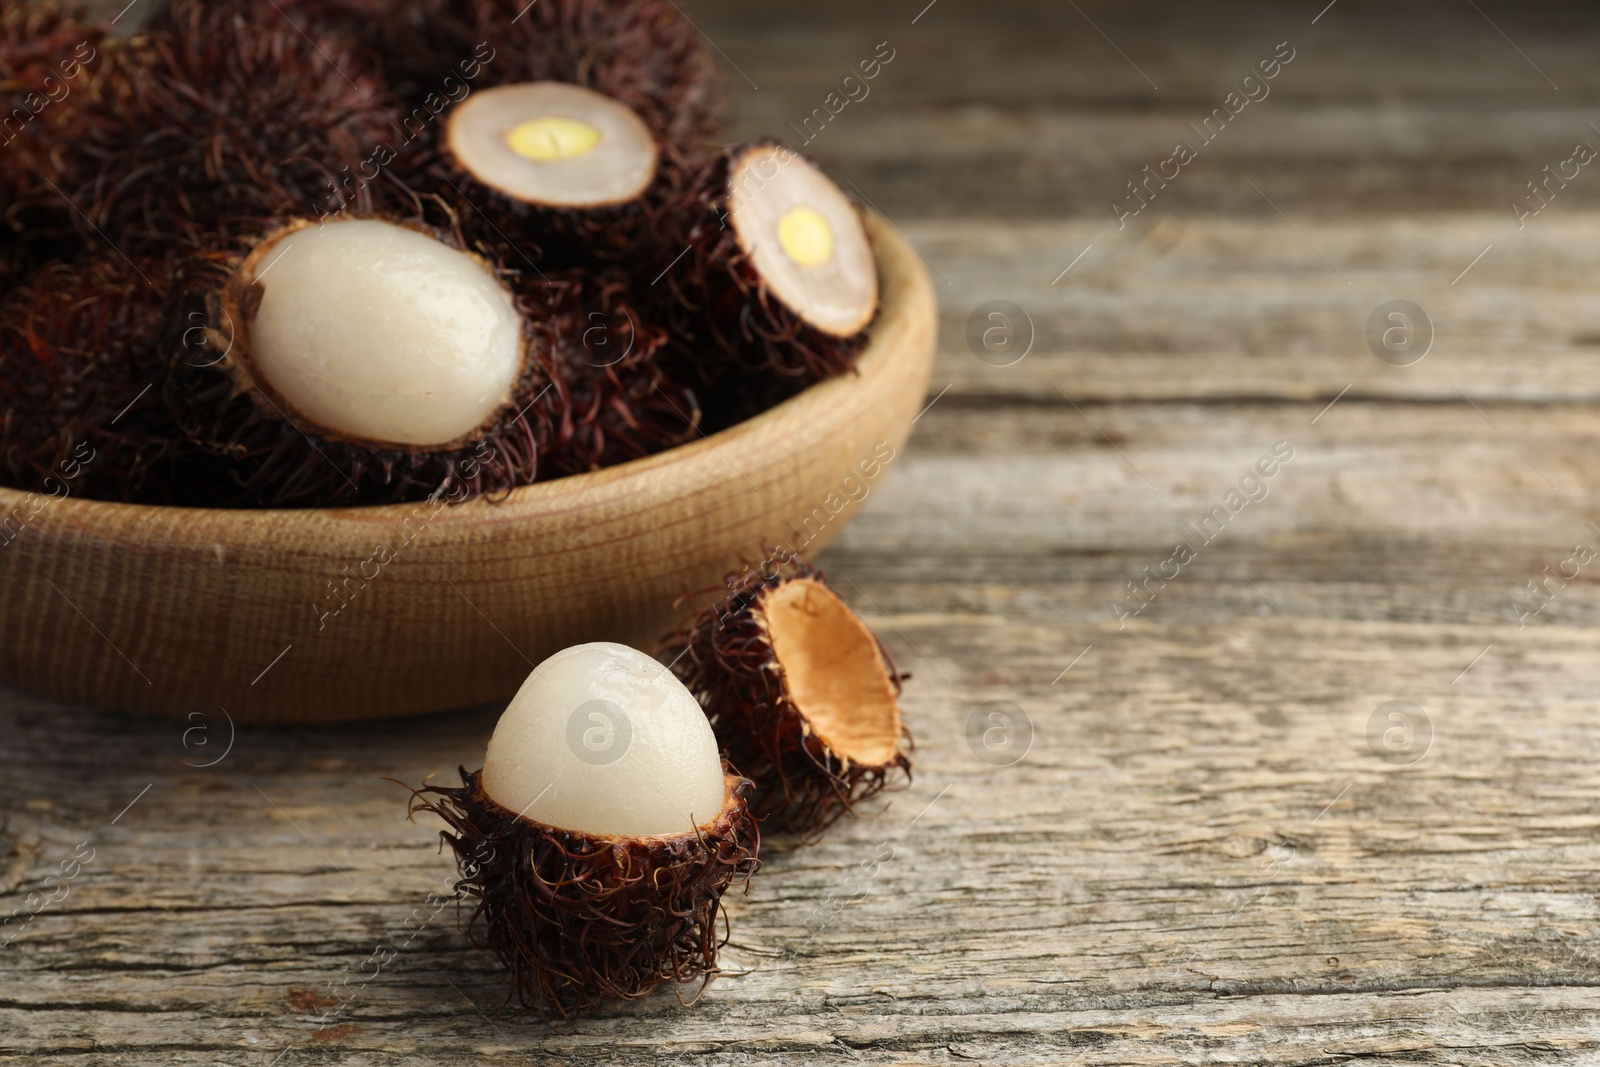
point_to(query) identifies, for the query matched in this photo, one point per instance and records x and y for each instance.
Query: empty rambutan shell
(801, 695)
(626, 898)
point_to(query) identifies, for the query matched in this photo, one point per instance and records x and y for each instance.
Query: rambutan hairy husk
(612, 400)
(81, 369)
(580, 919)
(644, 53)
(50, 63)
(717, 306)
(726, 658)
(221, 118)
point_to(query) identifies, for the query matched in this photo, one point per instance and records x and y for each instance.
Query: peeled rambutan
(80, 381)
(600, 835)
(360, 361)
(800, 693)
(221, 119)
(765, 262)
(365, 361)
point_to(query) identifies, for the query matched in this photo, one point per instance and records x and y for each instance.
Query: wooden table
(1220, 844)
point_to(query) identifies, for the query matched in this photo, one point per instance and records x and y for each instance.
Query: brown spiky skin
(725, 657)
(50, 85)
(644, 53)
(752, 350)
(612, 400)
(80, 374)
(220, 120)
(581, 919)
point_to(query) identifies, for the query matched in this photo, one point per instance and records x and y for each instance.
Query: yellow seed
(552, 138)
(805, 236)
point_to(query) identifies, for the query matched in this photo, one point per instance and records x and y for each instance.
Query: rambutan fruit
(80, 375)
(554, 164)
(800, 693)
(358, 361)
(611, 399)
(365, 361)
(50, 58)
(768, 263)
(601, 833)
(222, 119)
(643, 53)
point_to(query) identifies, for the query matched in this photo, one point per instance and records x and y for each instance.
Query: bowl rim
(887, 245)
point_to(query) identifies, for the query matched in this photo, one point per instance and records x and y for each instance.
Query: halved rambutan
(562, 173)
(766, 262)
(644, 53)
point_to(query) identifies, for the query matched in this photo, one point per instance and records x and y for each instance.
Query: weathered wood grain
(1202, 856)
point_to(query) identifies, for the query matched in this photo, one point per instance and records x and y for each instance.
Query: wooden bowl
(346, 613)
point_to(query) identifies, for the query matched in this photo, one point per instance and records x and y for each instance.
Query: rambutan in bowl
(323, 614)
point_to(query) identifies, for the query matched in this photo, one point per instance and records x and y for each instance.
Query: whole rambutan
(611, 399)
(81, 369)
(51, 56)
(221, 120)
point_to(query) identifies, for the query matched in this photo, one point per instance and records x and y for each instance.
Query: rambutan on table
(1213, 764)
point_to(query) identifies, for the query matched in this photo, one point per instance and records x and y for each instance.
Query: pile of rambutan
(319, 253)
(334, 252)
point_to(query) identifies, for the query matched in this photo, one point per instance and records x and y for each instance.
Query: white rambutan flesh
(552, 145)
(602, 739)
(375, 332)
(804, 238)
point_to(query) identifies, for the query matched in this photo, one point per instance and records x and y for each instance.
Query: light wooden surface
(1202, 857)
